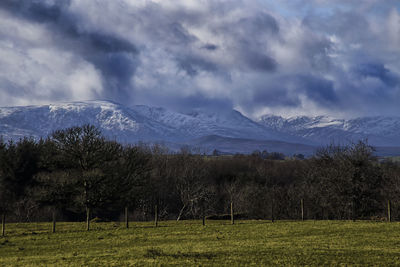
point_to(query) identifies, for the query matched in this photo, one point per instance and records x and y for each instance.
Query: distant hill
(228, 131)
(380, 131)
(241, 145)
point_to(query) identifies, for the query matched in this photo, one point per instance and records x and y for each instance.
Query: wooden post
(53, 230)
(126, 218)
(389, 212)
(203, 215)
(272, 211)
(87, 218)
(232, 218)
(272, 203)
(3, 224)
(302, 209)
(156, 216)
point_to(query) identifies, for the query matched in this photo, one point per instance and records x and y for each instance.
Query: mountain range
(228, 131)
(379, 131)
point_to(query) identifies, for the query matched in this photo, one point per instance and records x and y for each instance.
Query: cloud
(379, 71)
(288, 57)
(112, 57)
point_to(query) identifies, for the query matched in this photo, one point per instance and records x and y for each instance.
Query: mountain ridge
(378, 130)
(229, 129)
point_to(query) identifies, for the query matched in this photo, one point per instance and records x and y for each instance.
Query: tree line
(78, 174)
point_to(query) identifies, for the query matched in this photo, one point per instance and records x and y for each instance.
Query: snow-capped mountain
(199, 123)
(228, 130)
(115, 121)
(379, 131)
(129, 124)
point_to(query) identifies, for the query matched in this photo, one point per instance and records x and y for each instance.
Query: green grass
(188, 243)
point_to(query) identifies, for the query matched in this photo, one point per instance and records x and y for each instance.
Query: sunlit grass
(256, 243)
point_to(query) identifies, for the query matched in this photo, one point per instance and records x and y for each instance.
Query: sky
(285, 57)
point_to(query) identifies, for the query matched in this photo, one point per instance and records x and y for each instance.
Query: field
(186, 243)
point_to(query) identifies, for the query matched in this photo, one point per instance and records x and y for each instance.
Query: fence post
(272, 210)
(87, 218)
(53, 230)
(156, 216)
(126, 218)
(232, 218)
(302, 209)
(203, 215)
(389, 211)
(3, 224)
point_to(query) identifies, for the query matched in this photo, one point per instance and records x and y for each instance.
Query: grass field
(186, 243)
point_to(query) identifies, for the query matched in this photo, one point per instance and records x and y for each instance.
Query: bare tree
(85, 151)
(190, 184)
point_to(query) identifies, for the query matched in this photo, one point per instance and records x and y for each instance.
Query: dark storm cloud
(379, 71)
(191, 65)
(259, 23)
(202, 101)
(179, 34)
(250, 43)
(279, 95)
(187, 103)
(113, 56)
(318, 89)
(210, 47)
(304, 56)
(286, 92)
(259, 62)
(35, 10)
(57, 17)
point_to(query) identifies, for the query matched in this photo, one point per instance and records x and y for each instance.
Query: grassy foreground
(186, 243)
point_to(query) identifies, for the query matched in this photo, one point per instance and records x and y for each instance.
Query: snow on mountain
(114, 120)
(200, 123)
(152, 124)
(380, 131)
(138, 123)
